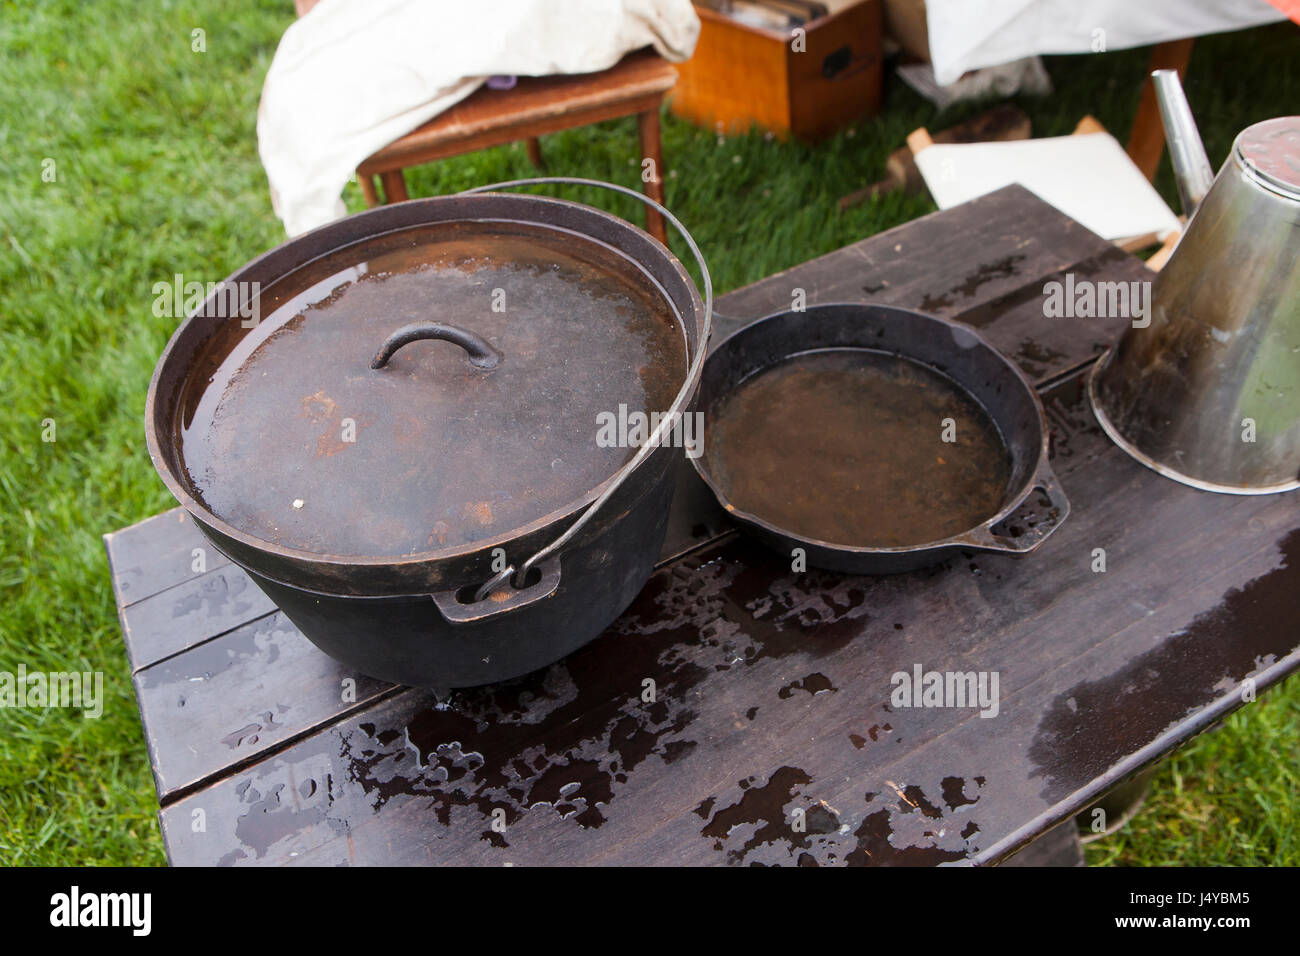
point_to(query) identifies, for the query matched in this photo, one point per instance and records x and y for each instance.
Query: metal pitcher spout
(1186, 151)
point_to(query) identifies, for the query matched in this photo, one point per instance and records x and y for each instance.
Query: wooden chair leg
(535, 152)
(652, 149)
(1146, 142)
(368, 190)
(394, 186)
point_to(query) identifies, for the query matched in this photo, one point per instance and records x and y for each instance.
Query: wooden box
(809, 85)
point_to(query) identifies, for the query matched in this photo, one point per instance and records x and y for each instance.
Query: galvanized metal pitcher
(1207, 391)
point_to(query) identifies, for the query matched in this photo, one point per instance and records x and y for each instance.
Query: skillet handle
(1057, 510)
(501, 599)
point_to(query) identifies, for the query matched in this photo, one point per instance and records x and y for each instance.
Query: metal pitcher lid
(1271, 151)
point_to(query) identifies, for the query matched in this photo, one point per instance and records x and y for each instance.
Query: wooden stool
(536, 106)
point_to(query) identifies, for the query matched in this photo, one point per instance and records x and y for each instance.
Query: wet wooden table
(767, 734)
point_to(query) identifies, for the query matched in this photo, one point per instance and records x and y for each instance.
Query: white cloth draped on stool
(352, 76)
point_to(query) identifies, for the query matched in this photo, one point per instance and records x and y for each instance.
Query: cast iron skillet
(950, 348)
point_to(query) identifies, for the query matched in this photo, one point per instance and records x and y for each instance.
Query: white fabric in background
(969, 34)
(354, 75)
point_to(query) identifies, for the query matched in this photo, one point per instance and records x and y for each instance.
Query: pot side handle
(1057, 510)
(503, 599)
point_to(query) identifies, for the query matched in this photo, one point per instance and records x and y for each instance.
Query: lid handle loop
(481, 354)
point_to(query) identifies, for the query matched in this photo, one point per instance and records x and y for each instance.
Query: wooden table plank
(949, 263)
(187, 615)
(1043, 347)
(265, 680)
(158, 553)
(773, 694)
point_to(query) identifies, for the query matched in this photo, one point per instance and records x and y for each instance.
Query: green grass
(157, 173)
(1227, 798)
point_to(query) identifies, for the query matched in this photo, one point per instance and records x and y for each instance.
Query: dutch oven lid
(427, 389)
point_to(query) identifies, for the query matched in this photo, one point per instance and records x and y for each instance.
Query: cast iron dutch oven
(400, 446)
